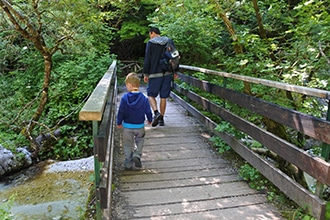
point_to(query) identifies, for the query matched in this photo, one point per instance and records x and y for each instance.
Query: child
(133, 108)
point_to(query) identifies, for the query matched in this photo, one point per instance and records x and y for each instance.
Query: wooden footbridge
(182, 176)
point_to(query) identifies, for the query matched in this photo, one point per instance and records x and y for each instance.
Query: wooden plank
(288, 87)
(176, 195)
(314, 127)
(104, 184)
(93, 108)
(193, 111)
(194, 181)
(153, 175)
(99, 149)
(314, 166)
(243, 210)
(205, 209)
(103, 190)
(184, 163)
(175, 154)
(171, 141)
(173, 146)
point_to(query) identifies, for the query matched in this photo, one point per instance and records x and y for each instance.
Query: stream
(48, 190)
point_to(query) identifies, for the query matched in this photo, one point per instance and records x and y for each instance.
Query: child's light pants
(133, 140)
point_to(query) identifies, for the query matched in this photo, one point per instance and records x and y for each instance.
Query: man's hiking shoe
(137, 162)
(156, 119)
(161, 121)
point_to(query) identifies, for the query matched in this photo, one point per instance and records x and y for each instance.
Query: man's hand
(145, 78)
(119, 126)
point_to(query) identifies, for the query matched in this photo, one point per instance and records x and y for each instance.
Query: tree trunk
(34, 35)
(237, 46)
(259, 20)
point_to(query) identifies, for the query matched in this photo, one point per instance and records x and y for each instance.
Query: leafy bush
(5, 207)
(74, 80)
(253, 177)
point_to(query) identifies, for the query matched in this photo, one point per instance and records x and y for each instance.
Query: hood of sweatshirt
(159, 40)
(135, 100)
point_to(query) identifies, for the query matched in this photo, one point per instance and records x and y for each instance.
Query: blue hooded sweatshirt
(133, 109)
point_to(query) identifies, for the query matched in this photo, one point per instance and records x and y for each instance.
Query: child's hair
(133, 79)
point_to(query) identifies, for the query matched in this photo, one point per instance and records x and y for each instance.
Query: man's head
(132, 82)
(153, 32)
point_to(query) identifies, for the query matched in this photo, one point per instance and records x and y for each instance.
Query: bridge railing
(100, 108)
(314, 127)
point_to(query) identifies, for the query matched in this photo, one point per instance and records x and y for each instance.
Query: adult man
(159, 80)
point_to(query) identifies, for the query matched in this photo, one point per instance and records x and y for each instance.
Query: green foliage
(191, 32)
(253, 177)
(327, 213)
(221, 146)
(131, 29)
(301, 214)
(74, 80)
(5, 207)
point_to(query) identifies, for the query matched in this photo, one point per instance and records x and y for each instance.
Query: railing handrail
(285, 86)
(94, 106)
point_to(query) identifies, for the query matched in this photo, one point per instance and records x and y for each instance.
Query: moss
(48, 187)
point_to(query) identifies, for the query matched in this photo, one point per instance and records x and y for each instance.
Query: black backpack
(171, 57)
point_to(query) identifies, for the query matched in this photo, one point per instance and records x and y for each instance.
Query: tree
(51, 27)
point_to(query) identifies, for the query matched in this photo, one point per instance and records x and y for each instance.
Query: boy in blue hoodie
(133, 109)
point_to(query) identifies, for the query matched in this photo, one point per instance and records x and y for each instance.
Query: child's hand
(119, 126)
(149, 122)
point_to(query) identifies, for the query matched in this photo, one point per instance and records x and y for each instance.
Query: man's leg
(162, 106)
(157, 115)
(153, 103)
(164, 93)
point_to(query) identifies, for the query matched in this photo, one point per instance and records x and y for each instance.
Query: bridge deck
(184, 178)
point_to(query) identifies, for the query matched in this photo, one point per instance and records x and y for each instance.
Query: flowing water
(48, 190)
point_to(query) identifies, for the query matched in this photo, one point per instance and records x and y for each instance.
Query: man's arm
(146, 65)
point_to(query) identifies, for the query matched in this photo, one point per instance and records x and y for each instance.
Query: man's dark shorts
(160, 85)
